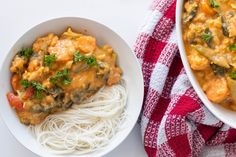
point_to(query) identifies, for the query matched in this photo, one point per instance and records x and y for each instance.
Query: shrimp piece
(17, 64)
(198, 62)
(63, 50)
(86, 44)
(15, 82)
(216, 89)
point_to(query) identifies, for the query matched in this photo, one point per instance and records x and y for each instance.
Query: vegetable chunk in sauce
(57, 72)
(209, 35)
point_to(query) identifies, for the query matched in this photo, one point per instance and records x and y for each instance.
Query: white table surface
(17, 16)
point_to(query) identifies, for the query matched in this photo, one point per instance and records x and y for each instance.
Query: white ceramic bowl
(225, 115)
(127, 61)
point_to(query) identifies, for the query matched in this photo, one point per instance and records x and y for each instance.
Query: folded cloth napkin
(174, 122)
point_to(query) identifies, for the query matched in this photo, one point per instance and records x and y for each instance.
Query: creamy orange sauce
(96, 67)
(209, 31)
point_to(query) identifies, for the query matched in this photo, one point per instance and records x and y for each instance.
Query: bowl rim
(193, 81)
(135, 60)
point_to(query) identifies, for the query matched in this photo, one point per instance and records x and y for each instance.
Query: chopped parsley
(207, 36)
(61, 76)
(49, 59)
(26, 53)
(78, 57)
(25, 83)
(66, 81)
(38, 94)
(91, 61)
(232, 47)
(38, 88)
(214, 3)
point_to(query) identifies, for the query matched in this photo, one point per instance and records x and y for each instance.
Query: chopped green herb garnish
(207, 36)
(37, 86)
(214, 3)
(61, 76)
(49, 59)
(38, 89)
(66, 81)
(89, 60)
(232, 75)
(53, 80)
(26, 52)
(38, 94)
(62, 73)
(25, 83)
(78, 57)
(232, 47)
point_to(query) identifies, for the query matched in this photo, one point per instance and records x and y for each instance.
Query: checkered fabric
(174, 122)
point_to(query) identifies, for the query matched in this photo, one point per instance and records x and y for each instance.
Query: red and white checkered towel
(174, 122)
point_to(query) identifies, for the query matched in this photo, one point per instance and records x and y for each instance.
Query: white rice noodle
(86, 127)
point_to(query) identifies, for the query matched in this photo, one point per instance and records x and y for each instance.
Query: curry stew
(209, 35)
(57, 72)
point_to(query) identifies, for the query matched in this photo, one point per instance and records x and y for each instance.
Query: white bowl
(127, 61)
(225, 115)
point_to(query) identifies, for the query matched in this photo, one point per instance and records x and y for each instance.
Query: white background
(16, 16)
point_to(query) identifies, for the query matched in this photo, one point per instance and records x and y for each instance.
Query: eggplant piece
(37, 108)
(57, 95)
(56, 91)
(75, 96)
(224, 26)
(207, 52)
(228, 23)
(191, 12)
(218, 70)
(49, 108)
(80, 95)
(80, 66)
(44, 109)
(219, 59)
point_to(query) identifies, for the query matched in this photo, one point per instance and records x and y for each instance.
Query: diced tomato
(14, 101)
(15, 82)
(28, 93)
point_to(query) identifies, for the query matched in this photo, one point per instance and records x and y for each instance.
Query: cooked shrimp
(217, 89)
(63, 50)
(86, 44)
(198, 62)
(17, 64)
